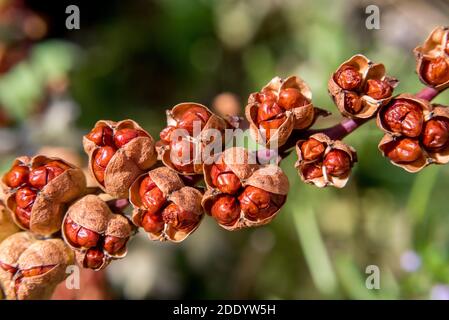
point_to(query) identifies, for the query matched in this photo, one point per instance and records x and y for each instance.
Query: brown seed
(312, 149)
(268, 110)
(404, 151)
(101, 161)
(257, 203)
(291, 98)
(151, 196)
(337, 163)
(178, 218)
(152, 222)
(94, 258)
(224, 179)
(270, 127)
(436, 133)
(404, 117)
(101, 135)
(225, 209)
(353, 103)
(182, 154)
(114, 244)
(435, 71)
(17, 176)
(311, 171)
(378, 89)
(348, 78)
(124, 136)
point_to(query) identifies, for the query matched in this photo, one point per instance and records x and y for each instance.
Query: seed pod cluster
(416, 133)
(241, 193)
(323, 161)
(281, 106)
(30, 268)
(118, 153)
(38, 189)
(360, 87)
(191, 129)
(432, 59)
(164, 207)
(7, 225)
(95, 233)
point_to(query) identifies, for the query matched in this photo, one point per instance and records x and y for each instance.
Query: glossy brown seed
(348, 78)
(41, 176)
(23, 216)
(178, 218)
(270, 126)
(268, 110)
(225, 180)
(151, 196)
(225, 209)
(435, 71)
(79, 236)
(436, 133)
(114, 244)
(94, 258)
(101, 136)
(182, 154)
(353, 103)
(17, 176)
(36, 271)
(25, 197)
(312, 149)
(291, 98)
(124, 136)
(266, 96)
(194, 115)
(337, 163)
(257, 203)
(378, 89)
(404, 151)
(404, 117)
(311, 171)
(152, 222)
(101, 160)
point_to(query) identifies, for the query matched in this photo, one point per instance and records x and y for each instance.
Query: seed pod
(435, 135)
(164, 207)
(263, 194)
(432, 59)
(38, 201)
(95, 233)
(230, 170)
(360, 87)
(404, 115)
(7, 225)
(118, 153)
(281, 106)
(323, 161)
(30, 268)
(192, 131)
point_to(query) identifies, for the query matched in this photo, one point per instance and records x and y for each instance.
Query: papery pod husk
(48, 208)
(325, 180)
(188, 199)
(7, 225)
(369, 70)
(424, 104)
(412, 167)
(127, 163)
(238, 159)
(297, 118)
(270, 178)
(24, 251)
(92, 213)
(432, 47)
(201, 140)
(440, 156)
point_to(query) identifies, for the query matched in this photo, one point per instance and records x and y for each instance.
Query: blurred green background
(136, 59)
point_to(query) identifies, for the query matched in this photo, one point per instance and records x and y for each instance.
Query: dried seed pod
(281, 106)
(31, 268)
(38, 201)
(118, 153)
(360, 87)
(432, 59)
(323, 161)
(230, 169)
(93, 231)
(7, 225)
(164, 207)
(263, 194)
(404, 115)
(192, 130)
